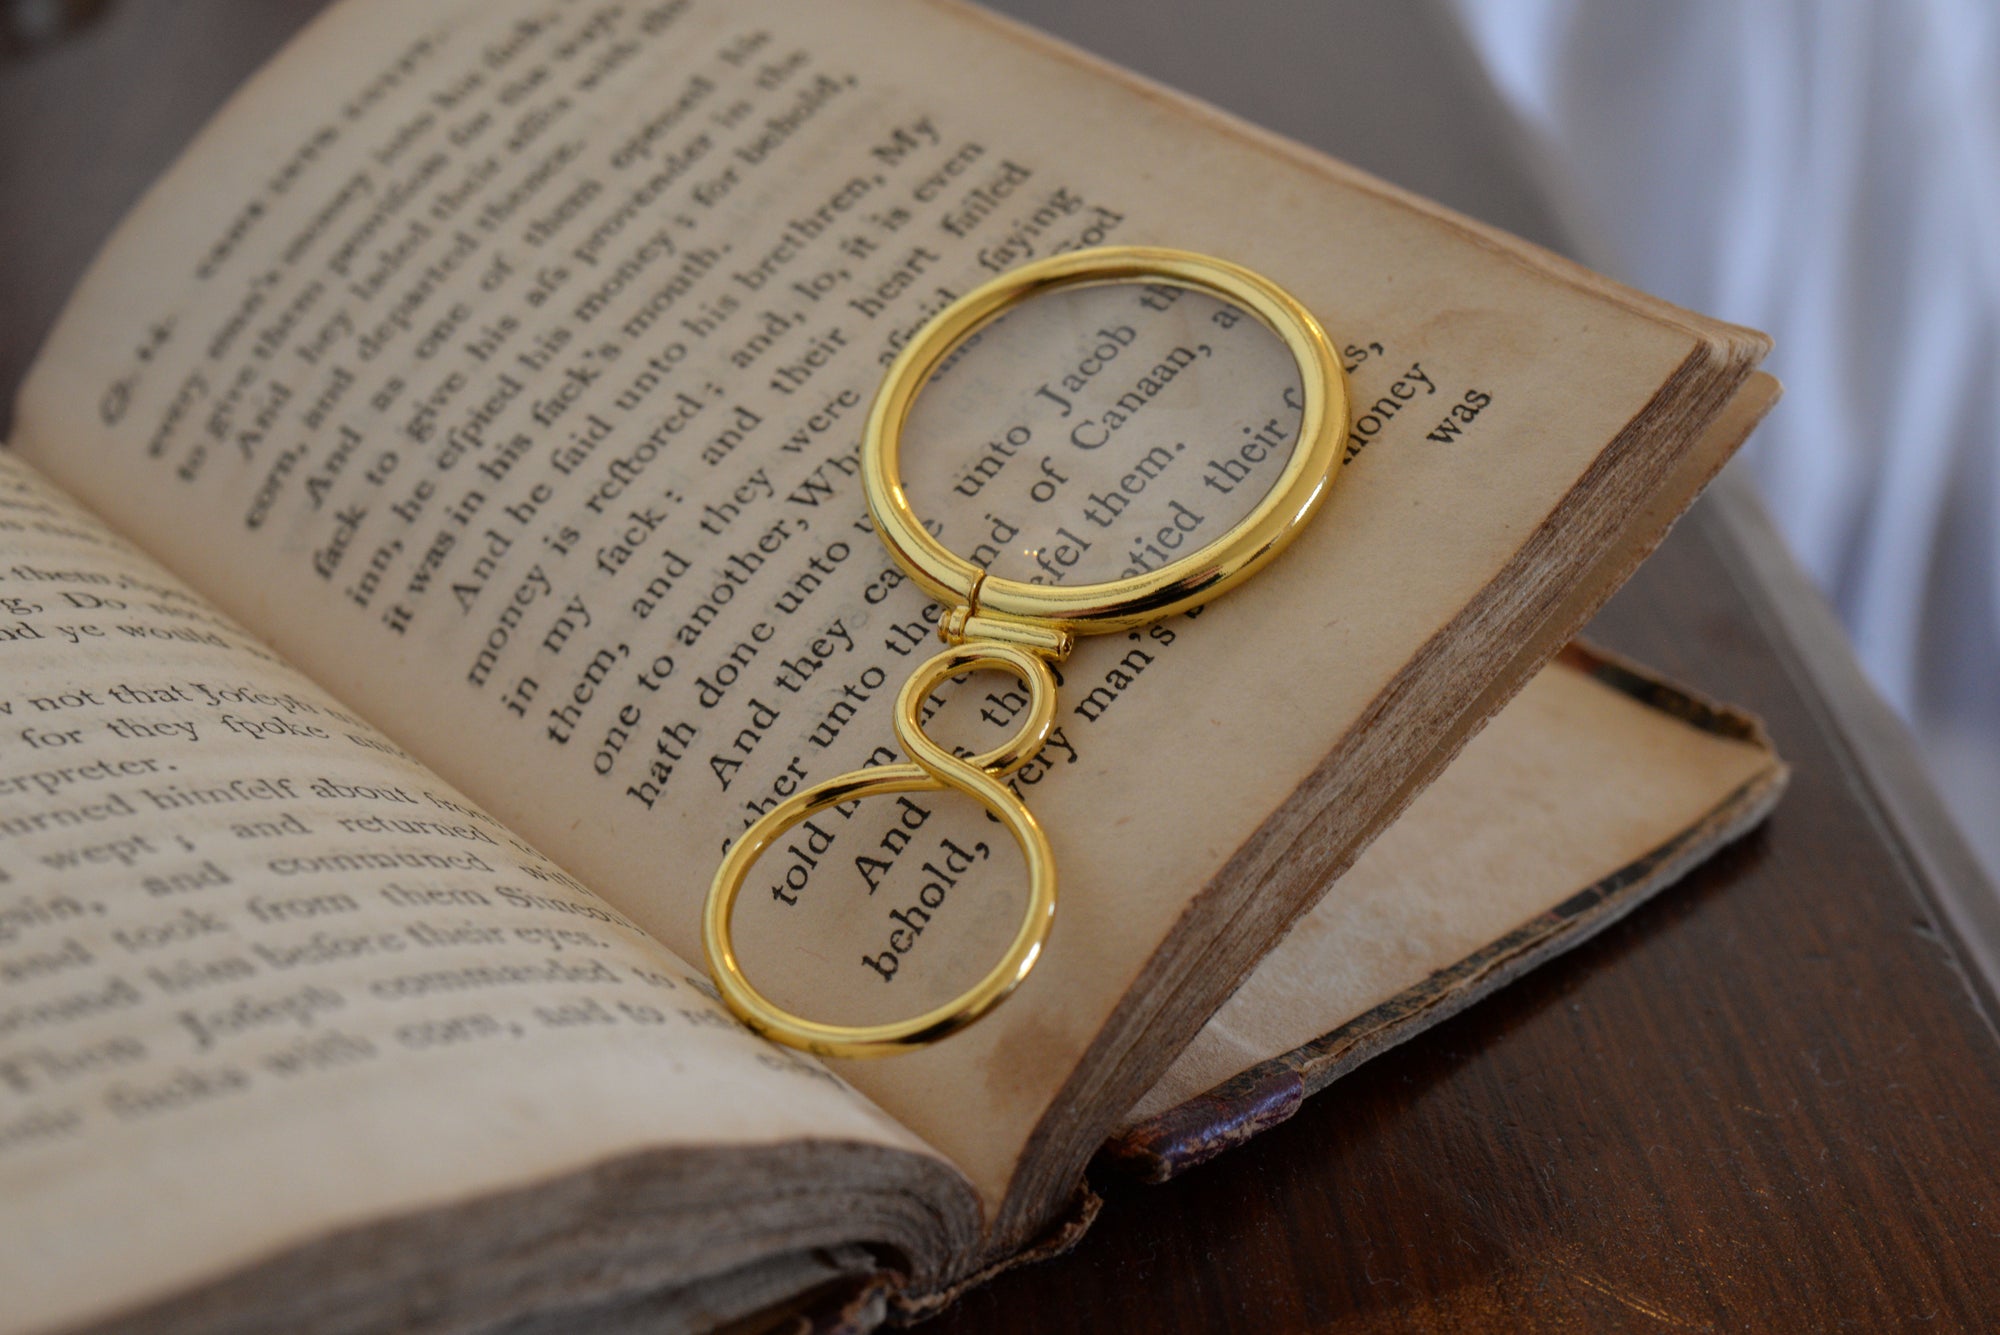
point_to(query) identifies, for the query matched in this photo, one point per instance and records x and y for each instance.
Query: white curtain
(1830, 172)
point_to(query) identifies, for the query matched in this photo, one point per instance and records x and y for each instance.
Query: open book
(488, 378)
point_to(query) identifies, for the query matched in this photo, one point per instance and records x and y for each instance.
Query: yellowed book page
(504, 367)
(1572, 781)
(264, 978)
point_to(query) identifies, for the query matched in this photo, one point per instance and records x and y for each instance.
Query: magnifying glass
(1021, 628)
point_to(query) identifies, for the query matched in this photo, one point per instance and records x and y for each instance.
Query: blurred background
(1828, 172)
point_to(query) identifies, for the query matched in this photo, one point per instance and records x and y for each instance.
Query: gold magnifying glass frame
(1017, 627)
(1091, 609)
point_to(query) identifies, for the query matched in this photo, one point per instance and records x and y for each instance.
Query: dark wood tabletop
(1769, 1100)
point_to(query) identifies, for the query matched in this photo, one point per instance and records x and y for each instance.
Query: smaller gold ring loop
(1010, 755)
(933, 769)
(1119, 604)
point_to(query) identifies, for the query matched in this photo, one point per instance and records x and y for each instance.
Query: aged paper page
(1571, 782)
(263, 978)
(503, 364)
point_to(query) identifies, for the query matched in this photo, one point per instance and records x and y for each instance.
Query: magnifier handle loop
(931, 768)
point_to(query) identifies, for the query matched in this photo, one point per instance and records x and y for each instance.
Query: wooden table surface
(1770, 1100)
